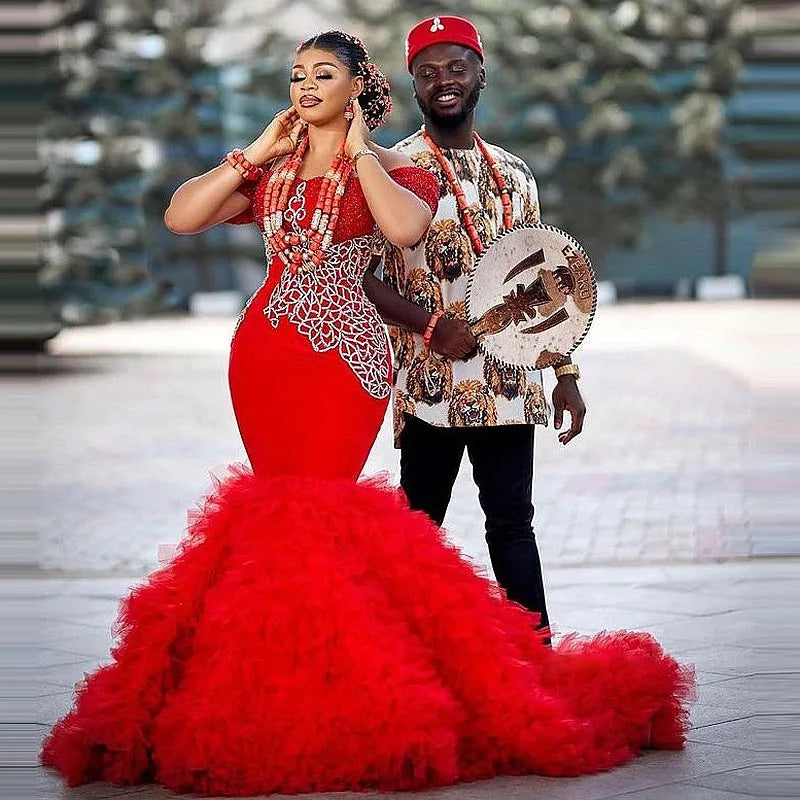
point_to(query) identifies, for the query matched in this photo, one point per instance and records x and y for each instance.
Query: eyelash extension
(319, 78)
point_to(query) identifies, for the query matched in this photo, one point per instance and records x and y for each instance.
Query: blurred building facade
(664, 134)
(765, 128)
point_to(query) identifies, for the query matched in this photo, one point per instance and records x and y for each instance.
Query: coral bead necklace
(305, 252)
(461, 200)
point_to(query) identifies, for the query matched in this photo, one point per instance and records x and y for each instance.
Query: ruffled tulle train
(314, 636)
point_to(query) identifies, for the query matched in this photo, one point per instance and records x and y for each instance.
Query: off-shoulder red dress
(314, 634)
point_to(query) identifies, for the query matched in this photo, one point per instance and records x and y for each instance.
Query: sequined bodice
(351, 254)
(327, 305)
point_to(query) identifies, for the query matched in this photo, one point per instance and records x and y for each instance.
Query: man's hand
(567, 397)
(453, 339)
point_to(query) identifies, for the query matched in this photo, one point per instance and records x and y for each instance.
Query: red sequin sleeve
(424, 184)
(248, 189)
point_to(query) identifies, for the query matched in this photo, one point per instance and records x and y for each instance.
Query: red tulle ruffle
(318, 636)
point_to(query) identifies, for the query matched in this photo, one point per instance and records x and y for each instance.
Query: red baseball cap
(442, 30)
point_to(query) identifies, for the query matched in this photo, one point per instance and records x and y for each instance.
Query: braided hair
(376, 98)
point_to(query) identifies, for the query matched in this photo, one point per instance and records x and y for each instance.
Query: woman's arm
(211, 198)
(400, 214)
(205, 201)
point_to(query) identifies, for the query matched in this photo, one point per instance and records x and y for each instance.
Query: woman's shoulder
(391, 159)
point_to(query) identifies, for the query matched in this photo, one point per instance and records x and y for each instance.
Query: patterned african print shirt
(434, 274)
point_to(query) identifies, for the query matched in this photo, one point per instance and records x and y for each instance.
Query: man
(445, 404)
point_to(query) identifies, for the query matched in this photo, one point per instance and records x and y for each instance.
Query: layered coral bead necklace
(456, 189)
(305, 252)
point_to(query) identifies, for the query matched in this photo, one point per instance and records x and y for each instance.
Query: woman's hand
(279, 138)
(358, 134)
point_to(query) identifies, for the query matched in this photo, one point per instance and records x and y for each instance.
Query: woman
(313, 634)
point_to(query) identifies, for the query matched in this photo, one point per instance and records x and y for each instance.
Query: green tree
(132, 103)
(595, 96)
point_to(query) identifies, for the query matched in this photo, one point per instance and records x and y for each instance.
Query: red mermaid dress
(314, 634)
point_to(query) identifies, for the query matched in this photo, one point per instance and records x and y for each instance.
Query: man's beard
(450, 121)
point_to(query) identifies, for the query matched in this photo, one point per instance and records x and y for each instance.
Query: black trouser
(502, 467)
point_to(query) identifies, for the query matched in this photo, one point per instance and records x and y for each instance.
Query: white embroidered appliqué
(328, 305)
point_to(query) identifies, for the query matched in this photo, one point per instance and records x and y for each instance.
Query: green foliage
(134, 108)
(617, 105)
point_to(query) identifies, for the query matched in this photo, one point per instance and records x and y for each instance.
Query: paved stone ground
(689, 455)
(687, 452)
(731, 620)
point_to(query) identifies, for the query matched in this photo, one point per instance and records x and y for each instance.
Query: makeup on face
(318, 82)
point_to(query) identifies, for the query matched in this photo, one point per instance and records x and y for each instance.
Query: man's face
(448, 79)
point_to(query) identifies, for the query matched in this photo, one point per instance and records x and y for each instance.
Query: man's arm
(452, 338)
(567, 397)
(566, 394)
